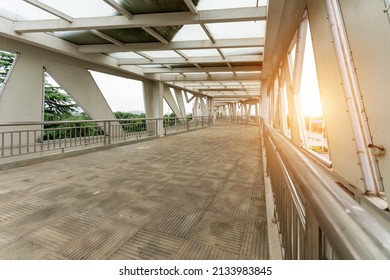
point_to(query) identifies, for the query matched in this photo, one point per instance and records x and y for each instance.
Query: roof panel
(227, 4)
(83, 37)
(79, 9)
(190, 32)
(161, 54)
(130, 35)
(21, 10)
(198, 53)
(238, 30)
(124, 55)
(243, 51)
(153, 6)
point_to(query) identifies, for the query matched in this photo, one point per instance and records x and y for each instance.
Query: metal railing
(25, 138)
(252, 120)
(317, 218)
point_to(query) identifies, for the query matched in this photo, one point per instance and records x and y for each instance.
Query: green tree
(6, 60)
(58, 106)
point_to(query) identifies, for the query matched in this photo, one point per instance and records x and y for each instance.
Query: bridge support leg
(153, 97)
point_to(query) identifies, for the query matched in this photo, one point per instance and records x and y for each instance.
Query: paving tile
(147, 245)
(194, 250)
(219, 230)
(175, 220)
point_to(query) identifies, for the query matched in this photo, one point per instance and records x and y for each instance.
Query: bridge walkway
(196, 195)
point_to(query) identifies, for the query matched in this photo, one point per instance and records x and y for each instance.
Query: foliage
(6, 60)
(131, 122)
(58, 106)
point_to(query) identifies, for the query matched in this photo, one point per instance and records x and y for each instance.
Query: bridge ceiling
(211, 47)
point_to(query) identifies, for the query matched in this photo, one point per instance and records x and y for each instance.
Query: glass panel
(237, 30)
(84, 8)
(190, 32)
(161, 54)
(20, 10)
(242, 51)
(227, 4)
(199, 53)
(124, 55)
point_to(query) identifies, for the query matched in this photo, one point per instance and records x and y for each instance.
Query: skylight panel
(237, 30)
(229, 4)
(19, 10)
(190, 32)
(124, 55)
(79, 9)
(161, 54)
(199, 53)
(243, 51)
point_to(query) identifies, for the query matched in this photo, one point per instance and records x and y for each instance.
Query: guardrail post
(106, 133)
(188, 123)
(202, 121)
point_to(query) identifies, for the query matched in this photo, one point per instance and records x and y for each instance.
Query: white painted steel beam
(155, 35)
(213, 77)
(236, 96)
(202, 69)
(208, 33)
(50, 10)
(107, 37)
(119, 8)
(175, 46)
(191, 7)
(144, 20)
(192, 60)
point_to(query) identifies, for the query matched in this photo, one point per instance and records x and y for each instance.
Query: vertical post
(105, 131)
(297, 77)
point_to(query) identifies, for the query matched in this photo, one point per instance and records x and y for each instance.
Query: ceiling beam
(212, 77)
(144, 20)
(236, 96)
(116, 6)
(177, 45)
(192, 60)
(155, 35)
(50, 10)
(107, 37)
(191, 6)
(225, 89)
(202, 69)
(214, 84)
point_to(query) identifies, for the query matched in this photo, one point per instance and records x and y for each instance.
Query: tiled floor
(197, 195)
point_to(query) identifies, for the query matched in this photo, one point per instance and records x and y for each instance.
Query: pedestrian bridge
(283, 155)
(197, 195)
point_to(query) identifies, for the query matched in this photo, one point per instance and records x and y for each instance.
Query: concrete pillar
(153, 98)
(171, 101)
(264, 102)
(22, 98)
(79, 83)
(180, 101)
(195, 107)
(203, 108)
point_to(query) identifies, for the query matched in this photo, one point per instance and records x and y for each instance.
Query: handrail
(23, 138)
(350, 231)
